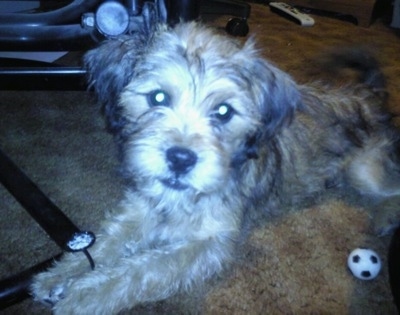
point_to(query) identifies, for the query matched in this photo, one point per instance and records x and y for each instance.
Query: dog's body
(212, 137)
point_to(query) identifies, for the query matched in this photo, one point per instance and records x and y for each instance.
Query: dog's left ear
(276, 94)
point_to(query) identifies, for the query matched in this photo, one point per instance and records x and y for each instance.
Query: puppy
(212, 137)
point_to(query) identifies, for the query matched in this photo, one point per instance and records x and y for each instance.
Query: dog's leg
(375, 171)
(49, 287)
(129, 270)
(149, 276)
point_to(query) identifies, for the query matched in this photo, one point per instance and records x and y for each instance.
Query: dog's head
(188, 105)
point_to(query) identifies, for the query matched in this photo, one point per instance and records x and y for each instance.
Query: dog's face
(196, 105)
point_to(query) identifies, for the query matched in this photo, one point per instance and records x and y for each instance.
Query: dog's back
(342, 136)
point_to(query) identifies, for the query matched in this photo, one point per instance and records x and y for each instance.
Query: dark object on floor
(394, 267)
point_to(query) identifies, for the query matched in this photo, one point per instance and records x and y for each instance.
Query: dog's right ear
(111, 66)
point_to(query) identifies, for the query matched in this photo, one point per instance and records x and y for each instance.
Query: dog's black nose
(180, 160)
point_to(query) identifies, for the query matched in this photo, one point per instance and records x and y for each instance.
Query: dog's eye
(159, 98)
(223, 112)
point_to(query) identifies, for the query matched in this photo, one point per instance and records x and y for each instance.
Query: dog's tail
(363, 62)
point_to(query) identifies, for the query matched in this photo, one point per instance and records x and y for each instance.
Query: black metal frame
(57, 225)
(19, 74)
(60, 29)
(63, 30)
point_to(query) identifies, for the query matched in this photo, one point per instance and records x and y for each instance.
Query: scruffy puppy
(212, 136)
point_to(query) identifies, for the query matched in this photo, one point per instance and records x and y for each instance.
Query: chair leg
(183, 10)
(14, 289)
(236, 8)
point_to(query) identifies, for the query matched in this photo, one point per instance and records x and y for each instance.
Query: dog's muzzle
(180, 161)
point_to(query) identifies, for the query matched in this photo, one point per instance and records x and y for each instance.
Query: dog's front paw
(48, 288)
(56, 294)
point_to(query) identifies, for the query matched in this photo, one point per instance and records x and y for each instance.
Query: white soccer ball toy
(364, 263)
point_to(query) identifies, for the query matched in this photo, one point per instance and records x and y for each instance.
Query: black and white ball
(364, 263)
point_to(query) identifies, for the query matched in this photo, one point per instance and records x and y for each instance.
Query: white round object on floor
(364, 263)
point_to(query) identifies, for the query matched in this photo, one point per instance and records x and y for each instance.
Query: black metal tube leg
(16, 288)
(48, 215)
(186, 10)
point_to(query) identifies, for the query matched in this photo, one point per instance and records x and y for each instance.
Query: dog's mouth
(174, 183)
